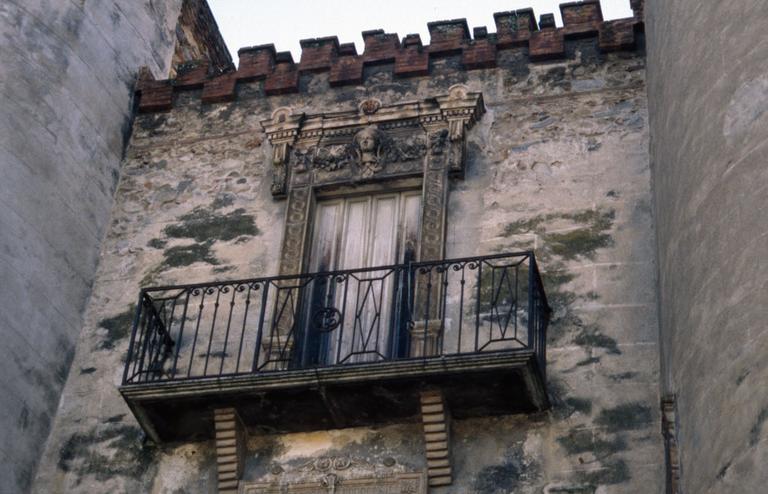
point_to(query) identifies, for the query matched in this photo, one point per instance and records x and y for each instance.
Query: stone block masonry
(67, 104)
(709, 122)
(68, 74)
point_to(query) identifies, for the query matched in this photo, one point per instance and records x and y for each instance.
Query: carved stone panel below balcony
(341, 475)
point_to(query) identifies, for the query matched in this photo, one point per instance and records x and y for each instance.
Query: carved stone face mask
(366, 139)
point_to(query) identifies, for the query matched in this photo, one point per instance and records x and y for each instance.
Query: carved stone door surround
(372, 148)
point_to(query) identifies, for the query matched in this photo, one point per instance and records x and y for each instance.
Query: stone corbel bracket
(230, 449)
(437, 442)
(281, 129)
(461, 109)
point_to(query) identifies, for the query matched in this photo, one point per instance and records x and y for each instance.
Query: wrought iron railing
(418, 310)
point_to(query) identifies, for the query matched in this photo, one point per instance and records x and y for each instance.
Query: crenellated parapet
(409, 57)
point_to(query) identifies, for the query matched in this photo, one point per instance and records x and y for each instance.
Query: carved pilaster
(280, 171)
(436, 419)
(433, 212)
(278, 348)
(425, 337)
(230, 449)
(296, 230)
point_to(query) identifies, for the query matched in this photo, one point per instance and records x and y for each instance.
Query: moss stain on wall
(118, 327)
(106, 452)
(202, 225)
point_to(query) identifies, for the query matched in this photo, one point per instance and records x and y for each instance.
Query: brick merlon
(447, 37)
(317, 54)
(581, 12)
(408, 57)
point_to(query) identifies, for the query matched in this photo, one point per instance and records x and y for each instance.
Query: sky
(285, 22)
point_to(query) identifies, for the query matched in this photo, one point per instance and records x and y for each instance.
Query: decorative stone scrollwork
(333, 157)
(437, 142)
(410, 148)
(302, 160)
(333, 464)
(370, 150)
(340, 145)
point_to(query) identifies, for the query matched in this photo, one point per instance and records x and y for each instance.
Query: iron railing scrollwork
(418, 310)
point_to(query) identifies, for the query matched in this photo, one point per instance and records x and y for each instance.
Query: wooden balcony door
(364, 308)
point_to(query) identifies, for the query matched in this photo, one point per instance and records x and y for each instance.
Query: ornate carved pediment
(370, 143)
(341, 475)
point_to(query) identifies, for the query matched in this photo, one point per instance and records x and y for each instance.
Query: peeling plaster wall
(67, 72)
(708, 92)
(558, 163)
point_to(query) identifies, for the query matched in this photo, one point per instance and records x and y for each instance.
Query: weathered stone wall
(67, 71)
(708, 98)
(558, 163)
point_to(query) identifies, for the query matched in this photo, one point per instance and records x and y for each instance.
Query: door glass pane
(327, 221)
(355, 233)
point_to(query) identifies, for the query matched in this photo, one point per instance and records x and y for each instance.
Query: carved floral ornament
(370, 106)
(365, 143)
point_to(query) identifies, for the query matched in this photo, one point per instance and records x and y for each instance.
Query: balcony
(340, 349)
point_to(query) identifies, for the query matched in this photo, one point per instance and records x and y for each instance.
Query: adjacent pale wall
(67, 69)
(558, 163)
(708, 99)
